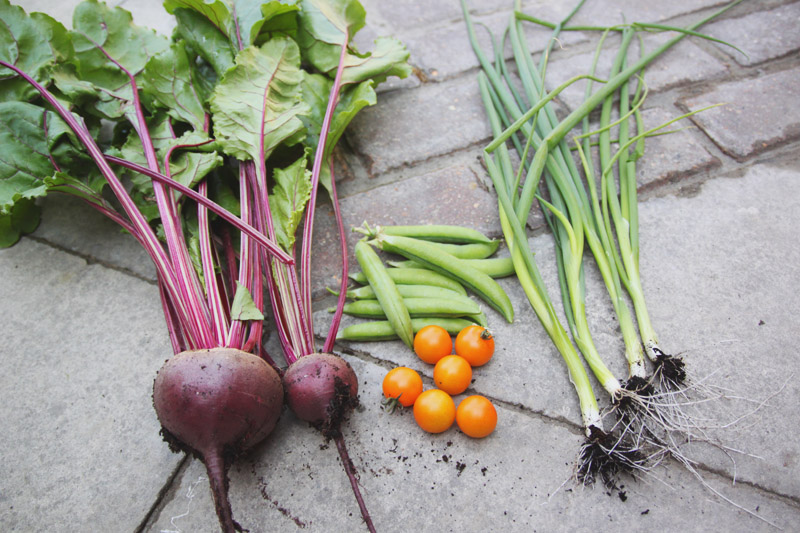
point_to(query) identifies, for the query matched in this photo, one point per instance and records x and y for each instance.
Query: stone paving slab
(447, 51)
(71, 224)
(412, 126)
(751, 122)
(722, 301)
(80, 347)
(763, 35)
(684, 63)
(620, 11)
(671, 157)
(718, 263)
(405, 14)
(448, 482)
(701, 287)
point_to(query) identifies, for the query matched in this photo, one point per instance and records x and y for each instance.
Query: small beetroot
(321, 388)
(216, 404)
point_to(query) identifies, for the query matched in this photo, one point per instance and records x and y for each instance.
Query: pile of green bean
(429, 286)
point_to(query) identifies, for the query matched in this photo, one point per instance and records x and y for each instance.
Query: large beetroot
(216, 404)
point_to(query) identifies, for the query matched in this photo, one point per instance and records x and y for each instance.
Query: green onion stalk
(570, 215)
(574, 218)
(620, 209)
(614, 265)
(605, 453)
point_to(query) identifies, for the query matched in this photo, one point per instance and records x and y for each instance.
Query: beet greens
(239, 112)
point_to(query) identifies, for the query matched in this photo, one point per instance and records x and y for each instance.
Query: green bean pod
(386, 292)
(415, 276)
(421, 291)
(406, 263)
(409, 291)
(479, 318)
(434, 258)
(436, 233)
(381, 330)
(494, 267)
(477, 250)
(417, 307)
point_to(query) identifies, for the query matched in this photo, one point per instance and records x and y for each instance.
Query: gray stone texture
(684, 63)
(73, 225)
(722, 300)
(621, 11)
(447, 52)
(673, 156)
(81, 345)
(416, 125)
(83, 335)
(759, 113)
(762, 35)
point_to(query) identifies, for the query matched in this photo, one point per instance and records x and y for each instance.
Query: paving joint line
(787, 498)
(514, 406)
(91, 260)
(159, 502)
(576, 429)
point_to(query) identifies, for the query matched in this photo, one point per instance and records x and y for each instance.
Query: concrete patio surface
(82, 332)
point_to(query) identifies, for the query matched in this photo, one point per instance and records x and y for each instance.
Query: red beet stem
(351, 475)
(218, 479)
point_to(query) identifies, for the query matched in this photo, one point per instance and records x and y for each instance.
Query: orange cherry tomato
(476, 416)
(431, 343)
(434, 411)
(475, 344)
(402, 384)
(452, 374)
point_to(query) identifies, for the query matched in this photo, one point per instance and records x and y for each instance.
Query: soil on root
(604, 457)
(640, 386)
(672, 368)
(338, 409)
(629, 405)
(229, 453)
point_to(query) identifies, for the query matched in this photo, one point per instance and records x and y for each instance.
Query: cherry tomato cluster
(434, 409)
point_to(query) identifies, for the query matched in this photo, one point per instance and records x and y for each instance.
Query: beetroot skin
(321, 388)
(216, 404)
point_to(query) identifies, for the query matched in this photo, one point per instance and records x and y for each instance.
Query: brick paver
(759, 113)
(447, 52)
(762, 35)
(412, 126)
(620, 11)
(671, 157)
(685, 63)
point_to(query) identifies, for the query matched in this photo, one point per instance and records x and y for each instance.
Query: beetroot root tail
(218, 479)
(351, 475)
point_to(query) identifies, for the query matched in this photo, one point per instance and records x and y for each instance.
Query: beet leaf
(33, 44)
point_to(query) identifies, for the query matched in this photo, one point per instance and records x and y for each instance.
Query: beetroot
(321, 388)
(216, 404)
